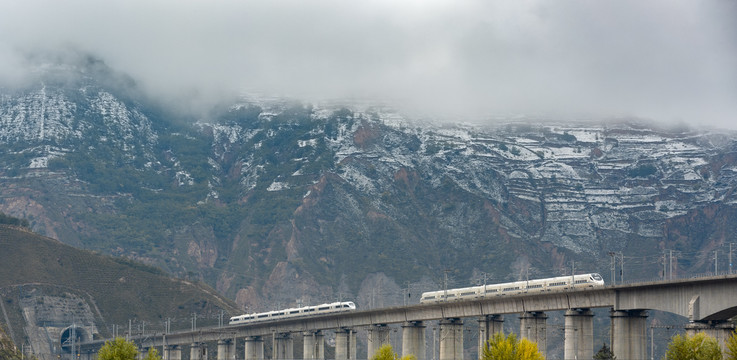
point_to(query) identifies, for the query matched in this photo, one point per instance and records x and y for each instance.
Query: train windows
(558, 283)
(278, 314)
(535, 286)
(468, 293)
(491, 290)
(581, 281)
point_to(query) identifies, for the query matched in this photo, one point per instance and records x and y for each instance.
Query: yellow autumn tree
(387, 353)
(152, 354)
(730, 352)
(697, 347)
(120, 349)
(117, 349)
(500, 347)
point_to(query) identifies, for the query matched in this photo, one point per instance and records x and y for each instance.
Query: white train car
(513, 288)
(294, 312)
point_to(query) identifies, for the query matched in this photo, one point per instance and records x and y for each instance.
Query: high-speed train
(518, 287)
(294, 312)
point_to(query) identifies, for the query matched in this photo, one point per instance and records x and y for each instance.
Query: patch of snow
(564, 206)
(184, 178)
(277, 186)
(231, 133)
(213, 194)
(589, 135)
(394, 120)
(455, 133)
(321, 114)
(310, 142)
(610, 220)
(519, 175)
(39, 162)
(524, 141)
(130, 123)
(526, 197)
(37, 116)
(214, 164)
(557, 169)
(650, 229)
(560, 153)
(639, 138)
(356, 178)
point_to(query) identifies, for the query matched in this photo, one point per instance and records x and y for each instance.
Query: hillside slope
(46, 286)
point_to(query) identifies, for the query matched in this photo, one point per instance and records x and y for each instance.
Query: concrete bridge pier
(413, 339)
(378, 334)
(579, 334)
(533, 327)
(283, 346)
(314, 345)
(254, 348)
(629, 334)
(345, 344)
(720, 330)
(489, 325)
(198, 351)
(226, 349)
(451, 339)
(172, 352)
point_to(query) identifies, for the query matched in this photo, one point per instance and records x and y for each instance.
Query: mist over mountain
(272, 201)
(667, 60)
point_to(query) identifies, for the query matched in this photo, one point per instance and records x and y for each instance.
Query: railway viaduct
(708, 303)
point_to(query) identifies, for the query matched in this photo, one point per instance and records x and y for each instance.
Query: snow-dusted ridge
(573, 179)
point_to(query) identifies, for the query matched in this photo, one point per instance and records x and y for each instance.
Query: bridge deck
(710, 298)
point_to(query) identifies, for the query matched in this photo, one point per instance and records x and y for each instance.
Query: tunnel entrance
(71, 336)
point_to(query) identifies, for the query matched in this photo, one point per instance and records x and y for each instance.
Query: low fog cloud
(670, 60)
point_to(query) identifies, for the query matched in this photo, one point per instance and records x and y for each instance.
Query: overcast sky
(669, 60)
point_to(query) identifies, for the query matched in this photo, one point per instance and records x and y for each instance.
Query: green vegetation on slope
(8, 351)
(9, 220)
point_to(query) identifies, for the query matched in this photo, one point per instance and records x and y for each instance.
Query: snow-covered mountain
(272, 201)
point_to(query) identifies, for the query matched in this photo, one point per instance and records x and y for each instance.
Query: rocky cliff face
(271, 201)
